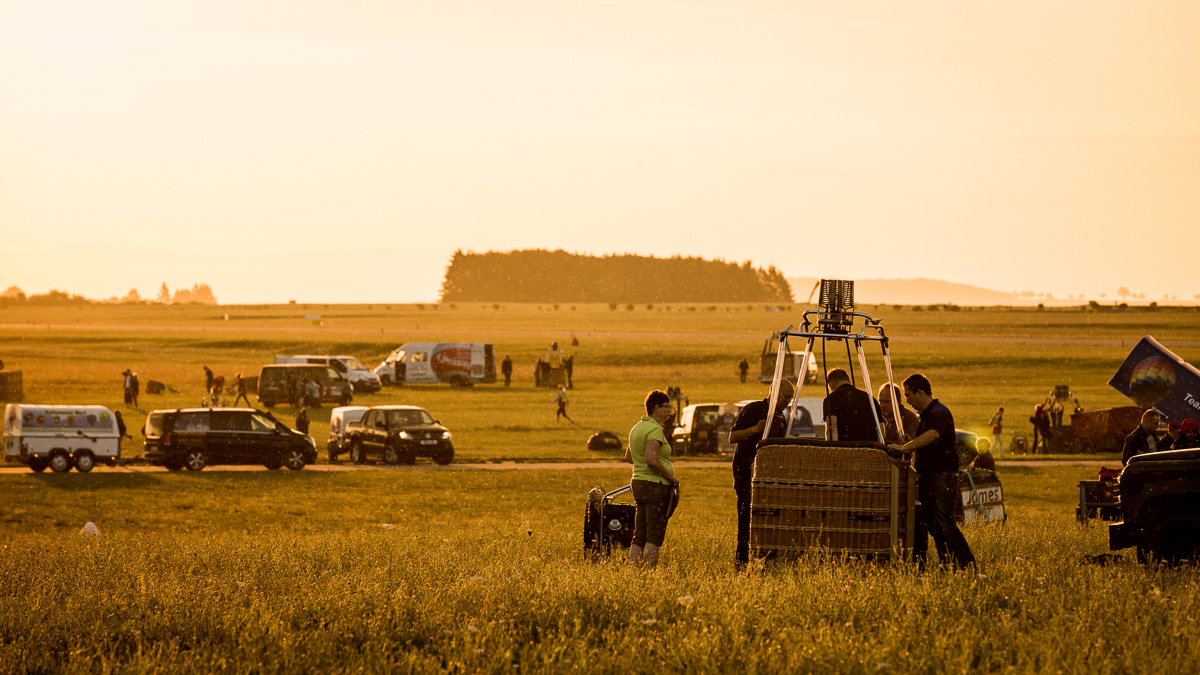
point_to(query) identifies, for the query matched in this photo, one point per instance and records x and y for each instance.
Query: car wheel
(1171, 537)
(294, 459)
(84, 462)
(391, 455)
(60, 462)
(38, 465)
(444, 457)
(357, 455)
(195, 460)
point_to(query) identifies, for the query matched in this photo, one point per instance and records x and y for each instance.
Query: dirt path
(510, 466)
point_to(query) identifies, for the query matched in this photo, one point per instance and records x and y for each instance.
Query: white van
(364, 381)
(460, 364)
(60, 436)
(339, 419)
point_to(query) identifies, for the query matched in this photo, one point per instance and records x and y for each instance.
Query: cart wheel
(1020, 444)
(593, 535)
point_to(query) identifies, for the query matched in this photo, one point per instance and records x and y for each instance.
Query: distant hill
(558, 276)
(914, 292)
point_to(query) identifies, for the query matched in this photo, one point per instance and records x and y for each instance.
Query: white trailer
(60, 436)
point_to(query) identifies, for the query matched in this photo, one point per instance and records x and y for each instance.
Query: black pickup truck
(1160, 507)
(398, 434)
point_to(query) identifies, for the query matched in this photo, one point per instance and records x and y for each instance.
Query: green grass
(623, 354)
(415, 571)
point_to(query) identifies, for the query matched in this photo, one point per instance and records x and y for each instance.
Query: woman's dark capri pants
(653, 501)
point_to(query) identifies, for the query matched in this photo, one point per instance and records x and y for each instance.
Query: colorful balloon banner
(1155, 378)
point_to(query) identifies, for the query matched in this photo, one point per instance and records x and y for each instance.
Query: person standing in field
(121, 428)
(562, 402)
(1143, 439)
(848, 410)
(745, 434)
(302, 421)
(935, 460)
(241, 391)
(127, 385)
(997, 423)
(908, 419)
(134, 388)
(506, 371)
(743, 368)
(208, 379)
(654, 483)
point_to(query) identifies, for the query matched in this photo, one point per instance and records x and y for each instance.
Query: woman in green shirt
(654, 483)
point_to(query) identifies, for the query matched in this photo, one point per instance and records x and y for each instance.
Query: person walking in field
(935, 460)
(747, 430)
(998, 433)
(241, 391)
(506, 367)
(562, 402)
(654, 484)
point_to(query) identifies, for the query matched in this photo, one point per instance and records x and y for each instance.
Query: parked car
(460, 364)
(364, 381)
(198, 437)
(399, 434)
(697, 431)
(1159, 502)
(339, 418)
(284, 383)
(60, 436)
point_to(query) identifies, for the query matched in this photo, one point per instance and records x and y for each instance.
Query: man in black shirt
(936, 463)
(847, 410)
(746, 433)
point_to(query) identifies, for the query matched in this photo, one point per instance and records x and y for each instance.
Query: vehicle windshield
(706, 418)
(408, 417)
(354, 364)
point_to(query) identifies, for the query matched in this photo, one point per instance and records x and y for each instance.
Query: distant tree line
(558, 276)
(198, 294)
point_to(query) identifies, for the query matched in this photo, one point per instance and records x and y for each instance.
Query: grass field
(433, 571)
(975, 358)
(417, 571)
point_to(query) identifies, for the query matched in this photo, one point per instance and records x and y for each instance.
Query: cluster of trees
(558, 276)
(198, 294)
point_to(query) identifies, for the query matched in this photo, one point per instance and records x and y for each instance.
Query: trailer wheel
(38, 465)
(84, 462)
(60, 462)
(593, 532)
(1020, 444)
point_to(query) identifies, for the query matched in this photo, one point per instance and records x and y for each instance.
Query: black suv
(197, 437)
(398, 434)
(1160, 506)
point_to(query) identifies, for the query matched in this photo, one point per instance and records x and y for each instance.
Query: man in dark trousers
(506, 371)
(746, 433)
(936, 463)
(208, 380)
(240, 387)
(848, 410)
(302, 421)
(1144, 438)
(743, 368)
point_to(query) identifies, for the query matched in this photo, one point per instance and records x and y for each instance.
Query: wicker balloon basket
(848, 498)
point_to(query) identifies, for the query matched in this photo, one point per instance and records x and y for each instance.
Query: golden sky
(340, 152)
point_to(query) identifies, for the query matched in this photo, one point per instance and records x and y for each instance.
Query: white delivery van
(460, 364)
(60, 436)
(364, 381)
(339, 419)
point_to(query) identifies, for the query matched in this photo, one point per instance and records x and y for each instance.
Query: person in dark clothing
(1143, 439)
(743, 368)
(134, 388)
(506, 370)
(241, 391)
(538, 371)
(1189, 435)
(302, 421)
(935, 460)
(745, 435)
(1041, 425)
(121, 428)
(208, 379)
(908, 419)
(848, 410)
(569, 365)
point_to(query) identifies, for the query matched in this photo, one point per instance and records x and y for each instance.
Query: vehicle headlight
(447, 435)
(404, 435)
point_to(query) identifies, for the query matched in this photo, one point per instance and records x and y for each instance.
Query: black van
(284, 383)
(197, 437)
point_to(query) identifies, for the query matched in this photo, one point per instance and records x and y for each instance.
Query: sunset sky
(340, 152)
